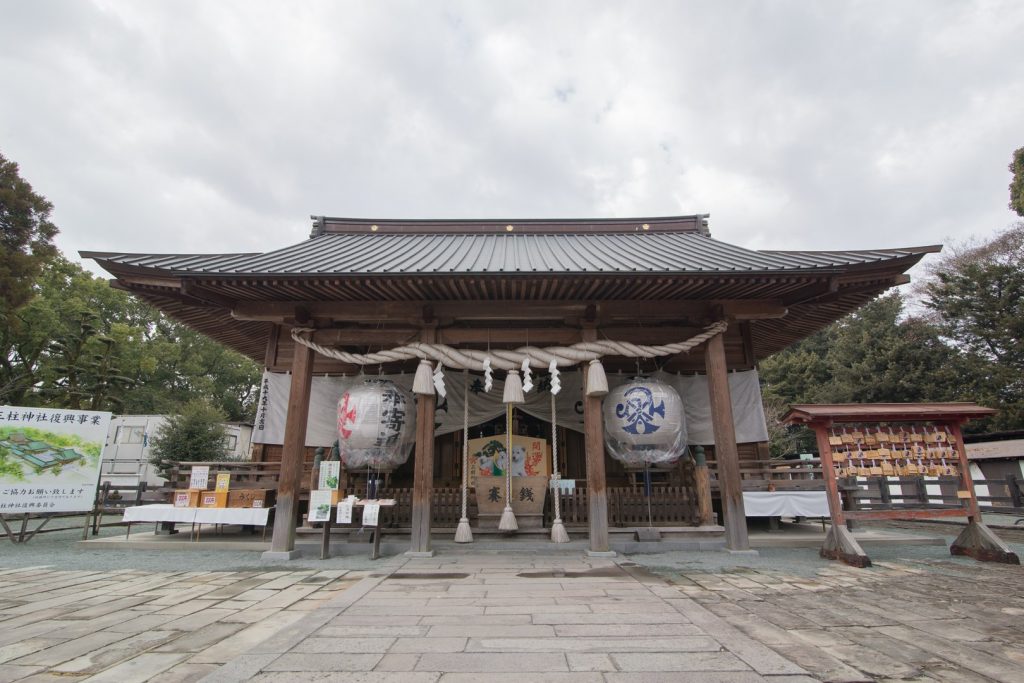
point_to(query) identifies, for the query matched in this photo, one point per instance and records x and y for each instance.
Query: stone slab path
(132, 626)
(506, 618)
(516, 617)
(952, 620)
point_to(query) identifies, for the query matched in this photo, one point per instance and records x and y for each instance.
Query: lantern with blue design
(376, 425)
(644, 423)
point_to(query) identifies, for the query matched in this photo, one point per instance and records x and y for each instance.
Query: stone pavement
(913, 620)
(513, 618)
(129, 625)
(525, 616)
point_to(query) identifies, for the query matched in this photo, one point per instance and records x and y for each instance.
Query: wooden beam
(603, 312)
(203, 295)
(749, 359)
(282, 544)
(423, 467)
(593, 437)
(390, 336)
(726, 452)
(270, 359)
(150, 281)
(755, 309)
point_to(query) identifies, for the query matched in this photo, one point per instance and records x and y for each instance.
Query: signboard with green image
(50, 458)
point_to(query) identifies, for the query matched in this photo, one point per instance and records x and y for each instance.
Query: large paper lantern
(644, 423)
(376, 425)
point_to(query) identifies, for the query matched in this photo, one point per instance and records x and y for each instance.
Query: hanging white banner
(321, 427)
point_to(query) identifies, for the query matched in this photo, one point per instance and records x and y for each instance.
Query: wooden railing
(244, 475)
(791, 475)
(627, 506)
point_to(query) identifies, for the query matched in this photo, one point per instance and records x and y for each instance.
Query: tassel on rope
(439, 381)
(597, 383)
(508, 518)
(558, 532)
(423, 384)
(463, 534)
(513, 389)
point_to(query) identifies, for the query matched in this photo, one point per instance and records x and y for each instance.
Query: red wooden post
(726, 452)
(282, 544)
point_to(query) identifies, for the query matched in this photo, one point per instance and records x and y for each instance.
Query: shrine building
(479, 319)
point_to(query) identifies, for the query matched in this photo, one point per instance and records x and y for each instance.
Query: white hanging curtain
(321, 428)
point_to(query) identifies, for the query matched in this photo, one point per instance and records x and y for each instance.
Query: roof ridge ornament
(319, 226)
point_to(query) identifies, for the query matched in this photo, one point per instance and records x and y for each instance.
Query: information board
(50, 458)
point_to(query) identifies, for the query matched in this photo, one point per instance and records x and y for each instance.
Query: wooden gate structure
(364, 285)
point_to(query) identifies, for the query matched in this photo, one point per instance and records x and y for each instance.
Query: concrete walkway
(502, 618)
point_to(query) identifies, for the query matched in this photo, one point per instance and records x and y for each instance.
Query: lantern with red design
(376, 425)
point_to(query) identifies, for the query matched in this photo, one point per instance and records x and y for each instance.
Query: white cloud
(197, 126)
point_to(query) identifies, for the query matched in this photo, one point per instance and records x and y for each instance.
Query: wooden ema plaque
(879, 442)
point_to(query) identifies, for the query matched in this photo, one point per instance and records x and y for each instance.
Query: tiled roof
(420, 253)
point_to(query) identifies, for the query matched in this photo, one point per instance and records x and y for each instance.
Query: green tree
(26, 238)
(874, 355)
(1017, 184)
(976, 294)
(69, 336)
(196, 433)
(81, 343)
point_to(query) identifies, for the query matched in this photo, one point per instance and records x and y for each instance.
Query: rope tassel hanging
(463, 534)
(423, 383)
(558, 532)
(508, 518)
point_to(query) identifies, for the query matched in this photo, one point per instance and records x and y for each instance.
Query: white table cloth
(785, 504)
(169, 513)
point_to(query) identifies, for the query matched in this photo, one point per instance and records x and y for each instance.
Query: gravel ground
(61, 549)
(796, 561)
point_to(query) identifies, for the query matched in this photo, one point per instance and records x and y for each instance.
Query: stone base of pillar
(280, 555)
(749, 552)
(419, 553)
(602, 553)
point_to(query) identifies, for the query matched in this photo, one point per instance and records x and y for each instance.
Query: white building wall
(129, 445)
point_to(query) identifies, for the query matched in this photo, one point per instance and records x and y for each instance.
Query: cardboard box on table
(247, 498)
(186, 498)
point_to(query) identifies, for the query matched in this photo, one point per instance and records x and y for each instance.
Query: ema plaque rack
(875, 442)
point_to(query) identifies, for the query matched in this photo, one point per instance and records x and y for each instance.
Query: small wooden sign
(223, 481)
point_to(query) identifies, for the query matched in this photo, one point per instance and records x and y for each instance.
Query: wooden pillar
(726, 453)
(423, 468)
(282, 545)
(702, 485)
(593, 436)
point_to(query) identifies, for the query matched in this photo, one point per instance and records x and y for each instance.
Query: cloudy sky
(221, 126)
